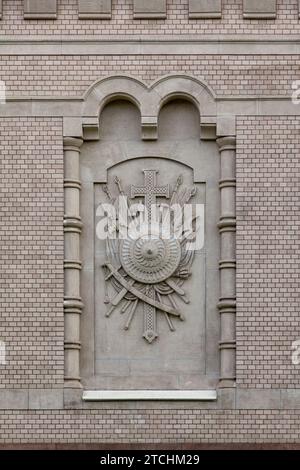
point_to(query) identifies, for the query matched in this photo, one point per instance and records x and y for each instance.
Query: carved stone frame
(213, 126)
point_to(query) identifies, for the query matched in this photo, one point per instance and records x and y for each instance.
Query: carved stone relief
(151, 266)
(150, 317)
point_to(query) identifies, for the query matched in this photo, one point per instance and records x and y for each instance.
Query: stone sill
(40, 16)
(213, 16)
(94, 16)
(259, 16)
(118, 395)
(149, 16)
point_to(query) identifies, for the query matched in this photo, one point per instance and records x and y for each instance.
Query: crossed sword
(128, 286)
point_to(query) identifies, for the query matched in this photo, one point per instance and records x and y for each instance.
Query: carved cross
(150, 191)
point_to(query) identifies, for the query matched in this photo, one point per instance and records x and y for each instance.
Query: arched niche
(168, 130)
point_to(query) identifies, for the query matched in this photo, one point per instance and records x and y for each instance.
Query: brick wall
(31, 232)
(268, 245)
(122, 22)
(150, 426)
(31, 238)
(72, 75)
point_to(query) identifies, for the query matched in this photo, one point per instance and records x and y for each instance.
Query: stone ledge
(147, 46)
(128, 395)
(72, 106)
(230, 398)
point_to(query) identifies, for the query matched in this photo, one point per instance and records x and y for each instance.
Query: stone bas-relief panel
(150, 248)
(145, 325)
(160, 331)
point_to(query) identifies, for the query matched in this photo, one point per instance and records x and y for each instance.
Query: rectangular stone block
(256, 399)
(226, 125)
(94, 9)
(46, 399)
(226, 398)
(72, 127)
(259, 9)
(144, 9)
(13, 399)
(205, 9)
(40, 9)
(290, 399)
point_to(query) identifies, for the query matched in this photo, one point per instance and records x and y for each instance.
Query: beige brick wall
(268, 245)
(150, 426)
(31, 232)
(122, 22)
(31, 238)
(72, 75)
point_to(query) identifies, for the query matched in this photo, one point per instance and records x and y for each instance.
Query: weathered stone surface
(45, 399)
(259, 9)
(290, 399)
(94, 9)
(150, 9)
(40, 9)
(205, 8)
(257, 399)
(177, 359)
(13, 399)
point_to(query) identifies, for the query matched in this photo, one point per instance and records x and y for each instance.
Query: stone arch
(149, 100)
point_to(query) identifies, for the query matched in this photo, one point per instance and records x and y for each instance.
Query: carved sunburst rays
(150, 269)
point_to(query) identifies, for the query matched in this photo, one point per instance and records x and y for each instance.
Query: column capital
(226, 143)
(72, 143)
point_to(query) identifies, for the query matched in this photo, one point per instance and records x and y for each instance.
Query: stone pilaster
(227, 265)
(72, 264)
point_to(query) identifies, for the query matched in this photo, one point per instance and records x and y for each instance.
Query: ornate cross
(150, 191)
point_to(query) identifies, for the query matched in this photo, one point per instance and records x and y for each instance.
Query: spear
(107, 192)
(118, 183)
(178, 183)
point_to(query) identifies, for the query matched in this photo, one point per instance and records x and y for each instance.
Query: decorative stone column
(227, 265)
(72, 265)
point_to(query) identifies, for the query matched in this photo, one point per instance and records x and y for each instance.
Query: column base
(72, 383)
(227, 383)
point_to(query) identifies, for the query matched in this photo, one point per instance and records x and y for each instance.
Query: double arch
(149, 100)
